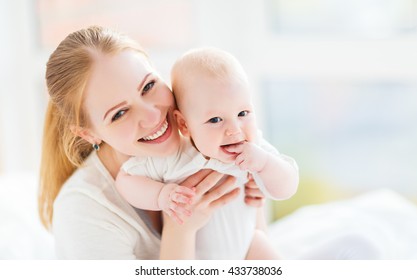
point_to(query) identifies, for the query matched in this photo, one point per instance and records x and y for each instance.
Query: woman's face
(129, 107)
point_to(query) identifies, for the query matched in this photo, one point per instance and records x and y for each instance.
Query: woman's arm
(213, 190)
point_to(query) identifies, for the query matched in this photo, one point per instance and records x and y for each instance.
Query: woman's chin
(170, 150)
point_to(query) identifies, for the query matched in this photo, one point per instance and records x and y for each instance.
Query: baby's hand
(251, 157)
(173, 200)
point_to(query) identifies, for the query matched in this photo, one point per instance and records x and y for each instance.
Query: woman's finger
(253, 195)
(254, 201)
(223, 188)
(211, 180)
(253, 192)
(251, 182)
(196, 178)
(202, 181)
(226, 198)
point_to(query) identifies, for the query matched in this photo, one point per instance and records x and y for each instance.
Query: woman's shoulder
(89, 178)
(91, 186)
(89, 212)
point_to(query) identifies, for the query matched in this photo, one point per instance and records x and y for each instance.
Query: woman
(108, 102)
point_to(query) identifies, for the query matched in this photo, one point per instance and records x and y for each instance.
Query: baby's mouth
(228, 148)
(154, 136)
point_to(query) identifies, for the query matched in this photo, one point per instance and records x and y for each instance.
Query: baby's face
(218, 114)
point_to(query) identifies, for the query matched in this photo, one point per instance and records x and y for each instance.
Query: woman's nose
(150, 117)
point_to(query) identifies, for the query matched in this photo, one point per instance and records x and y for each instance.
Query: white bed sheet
(377, 225)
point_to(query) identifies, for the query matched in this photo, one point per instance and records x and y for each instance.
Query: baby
(217, 119)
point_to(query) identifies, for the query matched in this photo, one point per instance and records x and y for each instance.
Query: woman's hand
(213, 190)
(253, 195)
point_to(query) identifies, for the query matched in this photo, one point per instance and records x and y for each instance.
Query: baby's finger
(180, 198)
(243, 164)
(240, 159)
(185, 191)
(179, 209)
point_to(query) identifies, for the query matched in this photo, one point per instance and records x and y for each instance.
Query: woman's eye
(118, 115)
(148, 87)
(243, 113)
(215, 120)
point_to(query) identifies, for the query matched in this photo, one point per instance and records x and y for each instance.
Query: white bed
(377, 225)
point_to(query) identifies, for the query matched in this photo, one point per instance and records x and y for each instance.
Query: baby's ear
(182, 124)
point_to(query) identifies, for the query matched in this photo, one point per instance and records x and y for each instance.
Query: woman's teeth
(157, 134)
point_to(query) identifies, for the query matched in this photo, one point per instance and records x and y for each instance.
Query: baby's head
(213, 96)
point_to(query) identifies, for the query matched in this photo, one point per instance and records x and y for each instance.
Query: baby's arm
(278, 175)
(145, 193)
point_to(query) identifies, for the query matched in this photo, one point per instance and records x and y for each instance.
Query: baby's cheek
(252, 136)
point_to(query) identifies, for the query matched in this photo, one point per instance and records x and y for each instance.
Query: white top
(229, 232)
(92, 221)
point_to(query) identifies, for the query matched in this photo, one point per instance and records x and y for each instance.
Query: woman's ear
(182, 124)
(85, 134)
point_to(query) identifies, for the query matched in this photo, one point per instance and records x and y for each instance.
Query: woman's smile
(161, 134)
(157, 134)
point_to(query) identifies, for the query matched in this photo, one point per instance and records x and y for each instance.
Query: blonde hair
(208, 61)
(67, 72)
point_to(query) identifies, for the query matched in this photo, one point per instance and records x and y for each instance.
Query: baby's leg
(260, 248)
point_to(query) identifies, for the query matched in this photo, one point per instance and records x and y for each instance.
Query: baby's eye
(215, 120)
(243, 113)
(118, 115)
(148, 87)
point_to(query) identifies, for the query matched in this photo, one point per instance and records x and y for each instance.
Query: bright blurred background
(335, 81)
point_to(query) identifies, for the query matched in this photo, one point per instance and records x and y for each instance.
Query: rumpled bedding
(379, 224)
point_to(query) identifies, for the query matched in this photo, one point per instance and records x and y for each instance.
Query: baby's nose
(233, 129)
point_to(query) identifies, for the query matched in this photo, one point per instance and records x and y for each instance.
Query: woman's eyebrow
(143, 81)
(112, 108)
(124, 102)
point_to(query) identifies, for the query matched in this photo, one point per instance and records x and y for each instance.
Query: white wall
(19, 95)
(240, 27)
